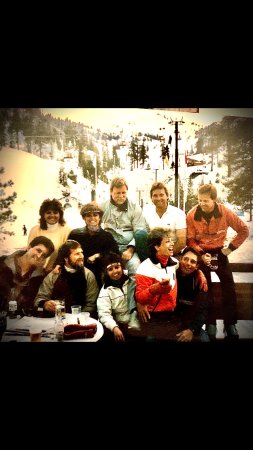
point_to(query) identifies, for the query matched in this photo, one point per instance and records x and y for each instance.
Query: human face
(166, 247)
(206, 203)
(160, 198)
(119, 195)
(76, 259)
(188, 263)
(52, 216)
(92, 220)
(36, 255)
(114, 271)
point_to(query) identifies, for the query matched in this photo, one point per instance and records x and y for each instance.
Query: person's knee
(133, 264)
(140, 237)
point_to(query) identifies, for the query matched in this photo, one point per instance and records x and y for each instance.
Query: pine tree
(240, 184)
(6, 214)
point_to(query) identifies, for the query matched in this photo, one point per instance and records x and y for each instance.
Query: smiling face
(36, 255)
(92, 220)
(52, 216)
(206, 203)
(188, 263)
(166, 247)
(76, 259)
(114, 271)
(160, 198)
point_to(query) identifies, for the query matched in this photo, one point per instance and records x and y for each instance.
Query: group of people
(137, 271)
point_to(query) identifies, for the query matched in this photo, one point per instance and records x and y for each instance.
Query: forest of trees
(234, 135)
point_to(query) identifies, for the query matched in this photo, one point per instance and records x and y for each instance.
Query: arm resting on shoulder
(180, 242)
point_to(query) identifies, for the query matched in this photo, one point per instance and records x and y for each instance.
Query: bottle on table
(13, 306)
(59, 325)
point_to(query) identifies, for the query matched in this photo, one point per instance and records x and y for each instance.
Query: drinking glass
(60, 307)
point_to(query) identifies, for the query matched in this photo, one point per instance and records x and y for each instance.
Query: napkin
(76, 331)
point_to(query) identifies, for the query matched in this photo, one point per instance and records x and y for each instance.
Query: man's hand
(143, 312)
(118, 335)
(92, 259)
(128, 253)
(201, 281)
(185, 336)
(57, 269)
(50, 305)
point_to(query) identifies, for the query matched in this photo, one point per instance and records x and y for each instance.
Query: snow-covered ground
(36, 179)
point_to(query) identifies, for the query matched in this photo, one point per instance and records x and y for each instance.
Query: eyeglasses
(115, 266)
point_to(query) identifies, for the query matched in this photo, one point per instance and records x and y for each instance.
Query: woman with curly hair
(52, 225)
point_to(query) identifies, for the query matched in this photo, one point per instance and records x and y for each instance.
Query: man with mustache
(69, 280)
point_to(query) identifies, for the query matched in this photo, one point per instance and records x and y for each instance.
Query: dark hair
(111, 258)
(193, 250)
(44, 241)
(155, 237)
(158, 185)
(65, 250)
(54, 205)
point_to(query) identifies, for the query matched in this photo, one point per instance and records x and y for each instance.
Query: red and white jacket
(149, 273)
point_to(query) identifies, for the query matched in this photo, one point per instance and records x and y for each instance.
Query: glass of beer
(60, 307)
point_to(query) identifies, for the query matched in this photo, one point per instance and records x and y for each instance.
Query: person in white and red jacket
(156, 285)
(157, 291)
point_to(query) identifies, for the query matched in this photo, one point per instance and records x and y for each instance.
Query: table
(47, 325)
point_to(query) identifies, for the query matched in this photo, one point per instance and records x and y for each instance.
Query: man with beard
(69, 280)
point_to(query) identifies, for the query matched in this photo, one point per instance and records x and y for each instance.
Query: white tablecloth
(47, 325)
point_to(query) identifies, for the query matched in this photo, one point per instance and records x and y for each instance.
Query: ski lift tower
(176, 123)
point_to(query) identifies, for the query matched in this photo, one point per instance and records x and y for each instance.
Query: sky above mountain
(105, 118)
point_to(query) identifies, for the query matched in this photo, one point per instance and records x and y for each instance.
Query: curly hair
(65, 250)
(54, 205)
